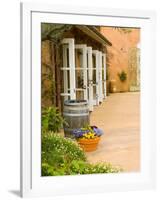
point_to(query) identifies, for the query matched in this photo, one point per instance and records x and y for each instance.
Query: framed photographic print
(87, 100)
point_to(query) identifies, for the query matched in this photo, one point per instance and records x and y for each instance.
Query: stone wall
(47, 74)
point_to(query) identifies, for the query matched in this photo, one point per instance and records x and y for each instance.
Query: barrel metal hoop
(76, 114)
(76, 108)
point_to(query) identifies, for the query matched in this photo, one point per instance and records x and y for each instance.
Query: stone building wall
(47, 76)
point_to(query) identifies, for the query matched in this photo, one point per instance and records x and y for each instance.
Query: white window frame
(83, 63)
(86, 54)
(100, 77)
(71, 68)
(65, 68)
(97, 100)
(90, 77)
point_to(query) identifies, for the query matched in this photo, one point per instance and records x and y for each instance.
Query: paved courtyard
(119, 117)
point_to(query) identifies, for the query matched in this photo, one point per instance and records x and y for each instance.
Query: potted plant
(122, 76)
(88, 137)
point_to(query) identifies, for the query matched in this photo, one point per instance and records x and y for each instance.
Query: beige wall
(118, 53)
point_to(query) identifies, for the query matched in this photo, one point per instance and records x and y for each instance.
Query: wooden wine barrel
(76, 114)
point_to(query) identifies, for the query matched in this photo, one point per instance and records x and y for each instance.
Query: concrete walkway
(119, 118)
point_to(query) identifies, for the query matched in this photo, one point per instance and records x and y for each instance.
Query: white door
(95, 77)
(78, 72)
(100, 77)
(68, 69)
(81, 85)
(90, 77)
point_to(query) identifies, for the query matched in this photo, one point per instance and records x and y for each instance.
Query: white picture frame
(32, 184)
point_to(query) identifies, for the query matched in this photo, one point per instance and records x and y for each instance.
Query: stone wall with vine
(47, 74)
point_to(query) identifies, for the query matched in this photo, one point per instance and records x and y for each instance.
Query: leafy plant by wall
(52, 119)
(122, 76)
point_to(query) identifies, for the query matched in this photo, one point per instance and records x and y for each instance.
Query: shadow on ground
(15, 192)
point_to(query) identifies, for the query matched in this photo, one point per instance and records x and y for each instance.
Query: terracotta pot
(113, 87)
(89, 144)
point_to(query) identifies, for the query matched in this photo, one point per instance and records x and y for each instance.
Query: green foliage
(59, 152)
(54, 31)
(52, 119)
(81, 167)
(47, 170)
(87, 127)
(122, 76)
(63, 156)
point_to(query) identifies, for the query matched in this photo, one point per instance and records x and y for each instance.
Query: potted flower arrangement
(88, 137)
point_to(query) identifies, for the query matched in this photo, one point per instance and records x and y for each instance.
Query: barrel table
(76, 114)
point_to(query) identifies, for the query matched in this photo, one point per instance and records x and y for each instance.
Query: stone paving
(119, 117)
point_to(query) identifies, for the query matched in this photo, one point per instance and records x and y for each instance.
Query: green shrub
(58, 152)
(47, 170)
(52, 119)
(63, 156)
(122, 76)
(81, 167)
